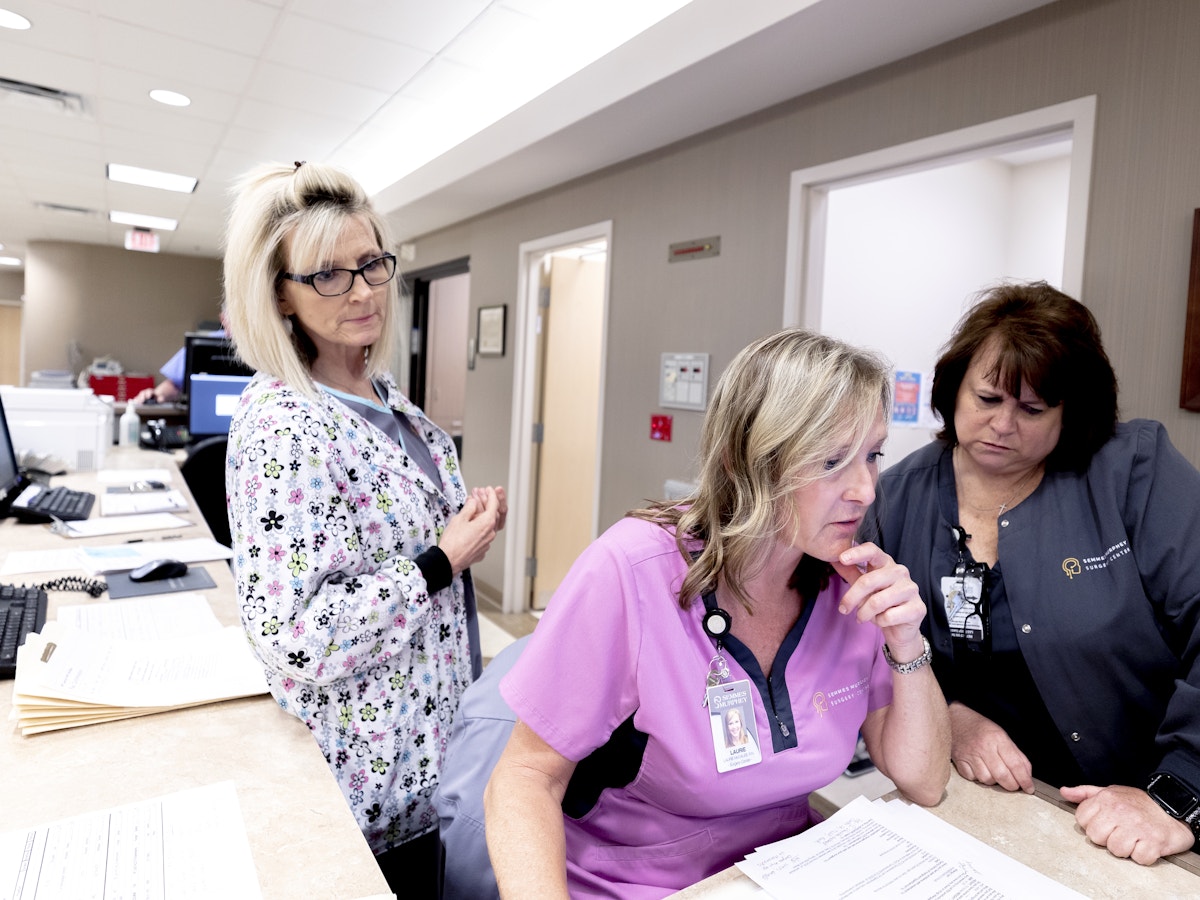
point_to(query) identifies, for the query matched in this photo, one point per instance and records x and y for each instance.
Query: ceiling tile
(58, 28)
(302, 90)
(235, 25)
(308, 45)
(117, 83)
(266, 146)
(152, 118)
(418, 23)
(48, 68)
(165, 56)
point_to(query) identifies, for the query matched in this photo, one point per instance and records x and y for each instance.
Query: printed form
(891, 849)
(190, 845)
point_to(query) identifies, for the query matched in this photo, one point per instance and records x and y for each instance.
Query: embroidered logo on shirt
(1072, 566)
(824, 700)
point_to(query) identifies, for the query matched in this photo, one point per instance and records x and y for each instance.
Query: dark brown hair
(1051, 343)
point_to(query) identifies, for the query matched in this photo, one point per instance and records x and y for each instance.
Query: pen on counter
(168, 537)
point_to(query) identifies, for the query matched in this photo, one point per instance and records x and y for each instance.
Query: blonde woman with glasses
(352, 526)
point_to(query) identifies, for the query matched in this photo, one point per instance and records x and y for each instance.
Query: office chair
(204, 472)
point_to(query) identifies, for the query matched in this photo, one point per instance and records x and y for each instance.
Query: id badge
(966, 605)
(734, 731)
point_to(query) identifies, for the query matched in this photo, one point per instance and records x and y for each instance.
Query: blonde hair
(313, 204)
(788, 405)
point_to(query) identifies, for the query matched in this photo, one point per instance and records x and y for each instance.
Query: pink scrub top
(613, 644)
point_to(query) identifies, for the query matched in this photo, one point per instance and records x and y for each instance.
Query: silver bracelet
(905, 668)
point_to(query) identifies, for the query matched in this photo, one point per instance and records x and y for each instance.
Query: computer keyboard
(22, 610)
(60, 503)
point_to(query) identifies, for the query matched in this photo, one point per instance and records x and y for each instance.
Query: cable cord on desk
(75, 583)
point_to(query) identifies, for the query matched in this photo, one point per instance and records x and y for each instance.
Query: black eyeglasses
(335, 282)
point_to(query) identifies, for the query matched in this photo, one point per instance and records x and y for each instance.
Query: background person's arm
(982, 751)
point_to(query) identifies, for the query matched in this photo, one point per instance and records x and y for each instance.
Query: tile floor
(498, 629)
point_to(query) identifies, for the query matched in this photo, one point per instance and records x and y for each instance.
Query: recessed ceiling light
(184, 184)
(9, 261)
(170, 98)
(9, 19)
(137, 220)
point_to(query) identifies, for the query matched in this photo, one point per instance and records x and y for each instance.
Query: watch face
(1174, 796)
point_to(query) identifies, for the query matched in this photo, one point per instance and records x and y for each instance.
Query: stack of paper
(892, 849)
(120, 660)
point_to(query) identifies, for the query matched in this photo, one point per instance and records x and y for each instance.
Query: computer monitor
(213, 400)
(12, 479)
(206, 353)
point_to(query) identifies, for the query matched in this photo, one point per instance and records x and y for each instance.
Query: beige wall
(133, 307)
(1137, 56)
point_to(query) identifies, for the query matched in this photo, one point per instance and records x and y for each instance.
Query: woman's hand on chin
(882, 592)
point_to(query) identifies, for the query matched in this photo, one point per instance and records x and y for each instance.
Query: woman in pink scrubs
(749, 595)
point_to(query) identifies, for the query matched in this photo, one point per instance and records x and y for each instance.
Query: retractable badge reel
(716, 624)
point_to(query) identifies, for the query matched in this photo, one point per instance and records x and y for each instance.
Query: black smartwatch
(1176, 799)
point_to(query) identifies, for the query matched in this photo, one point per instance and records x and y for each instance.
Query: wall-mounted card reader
(683, 381)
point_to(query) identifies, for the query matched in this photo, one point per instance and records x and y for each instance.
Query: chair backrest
(204, 472)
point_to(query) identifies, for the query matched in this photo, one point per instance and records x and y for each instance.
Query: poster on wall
(910, 404)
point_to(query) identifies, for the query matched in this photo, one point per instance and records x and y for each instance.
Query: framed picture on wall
(491, 330)
(1189, 386)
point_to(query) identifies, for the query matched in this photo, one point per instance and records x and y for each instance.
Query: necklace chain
(999, 510)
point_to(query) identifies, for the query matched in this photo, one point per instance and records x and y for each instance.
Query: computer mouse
(158, 569)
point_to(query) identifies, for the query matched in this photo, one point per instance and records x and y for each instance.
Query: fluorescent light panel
(167, 181)
(137, 220)
(9, 261)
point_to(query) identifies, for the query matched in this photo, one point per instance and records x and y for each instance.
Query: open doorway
(558, 390)
(436, 370)
(888, 248)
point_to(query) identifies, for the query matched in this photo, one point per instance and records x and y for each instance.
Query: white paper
(101, 559)
(22, 562)
(129, 476)
(98, 527)
(190, 845)
(892, 850)
(143, 618)
(147, 502)
(94, 669)
(104, 558)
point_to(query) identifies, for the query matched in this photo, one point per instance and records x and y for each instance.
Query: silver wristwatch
(905, 668)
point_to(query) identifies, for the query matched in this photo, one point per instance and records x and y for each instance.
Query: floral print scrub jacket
(327, 514)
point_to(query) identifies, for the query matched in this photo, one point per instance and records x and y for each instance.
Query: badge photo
(734, 730)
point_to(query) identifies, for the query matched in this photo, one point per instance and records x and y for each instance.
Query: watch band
(1192, 821)
(905, 668)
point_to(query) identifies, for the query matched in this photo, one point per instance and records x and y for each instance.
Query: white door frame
(808, 199)
(527, 321)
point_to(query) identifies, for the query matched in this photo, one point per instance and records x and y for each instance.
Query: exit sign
(140, 239)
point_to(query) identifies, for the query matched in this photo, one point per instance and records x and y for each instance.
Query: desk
(1035, 829)
(303, 838)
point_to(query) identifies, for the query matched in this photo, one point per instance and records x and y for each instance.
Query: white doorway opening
(559, 357)
(886, 249)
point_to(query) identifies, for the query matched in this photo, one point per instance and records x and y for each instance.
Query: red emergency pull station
(660, 428)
